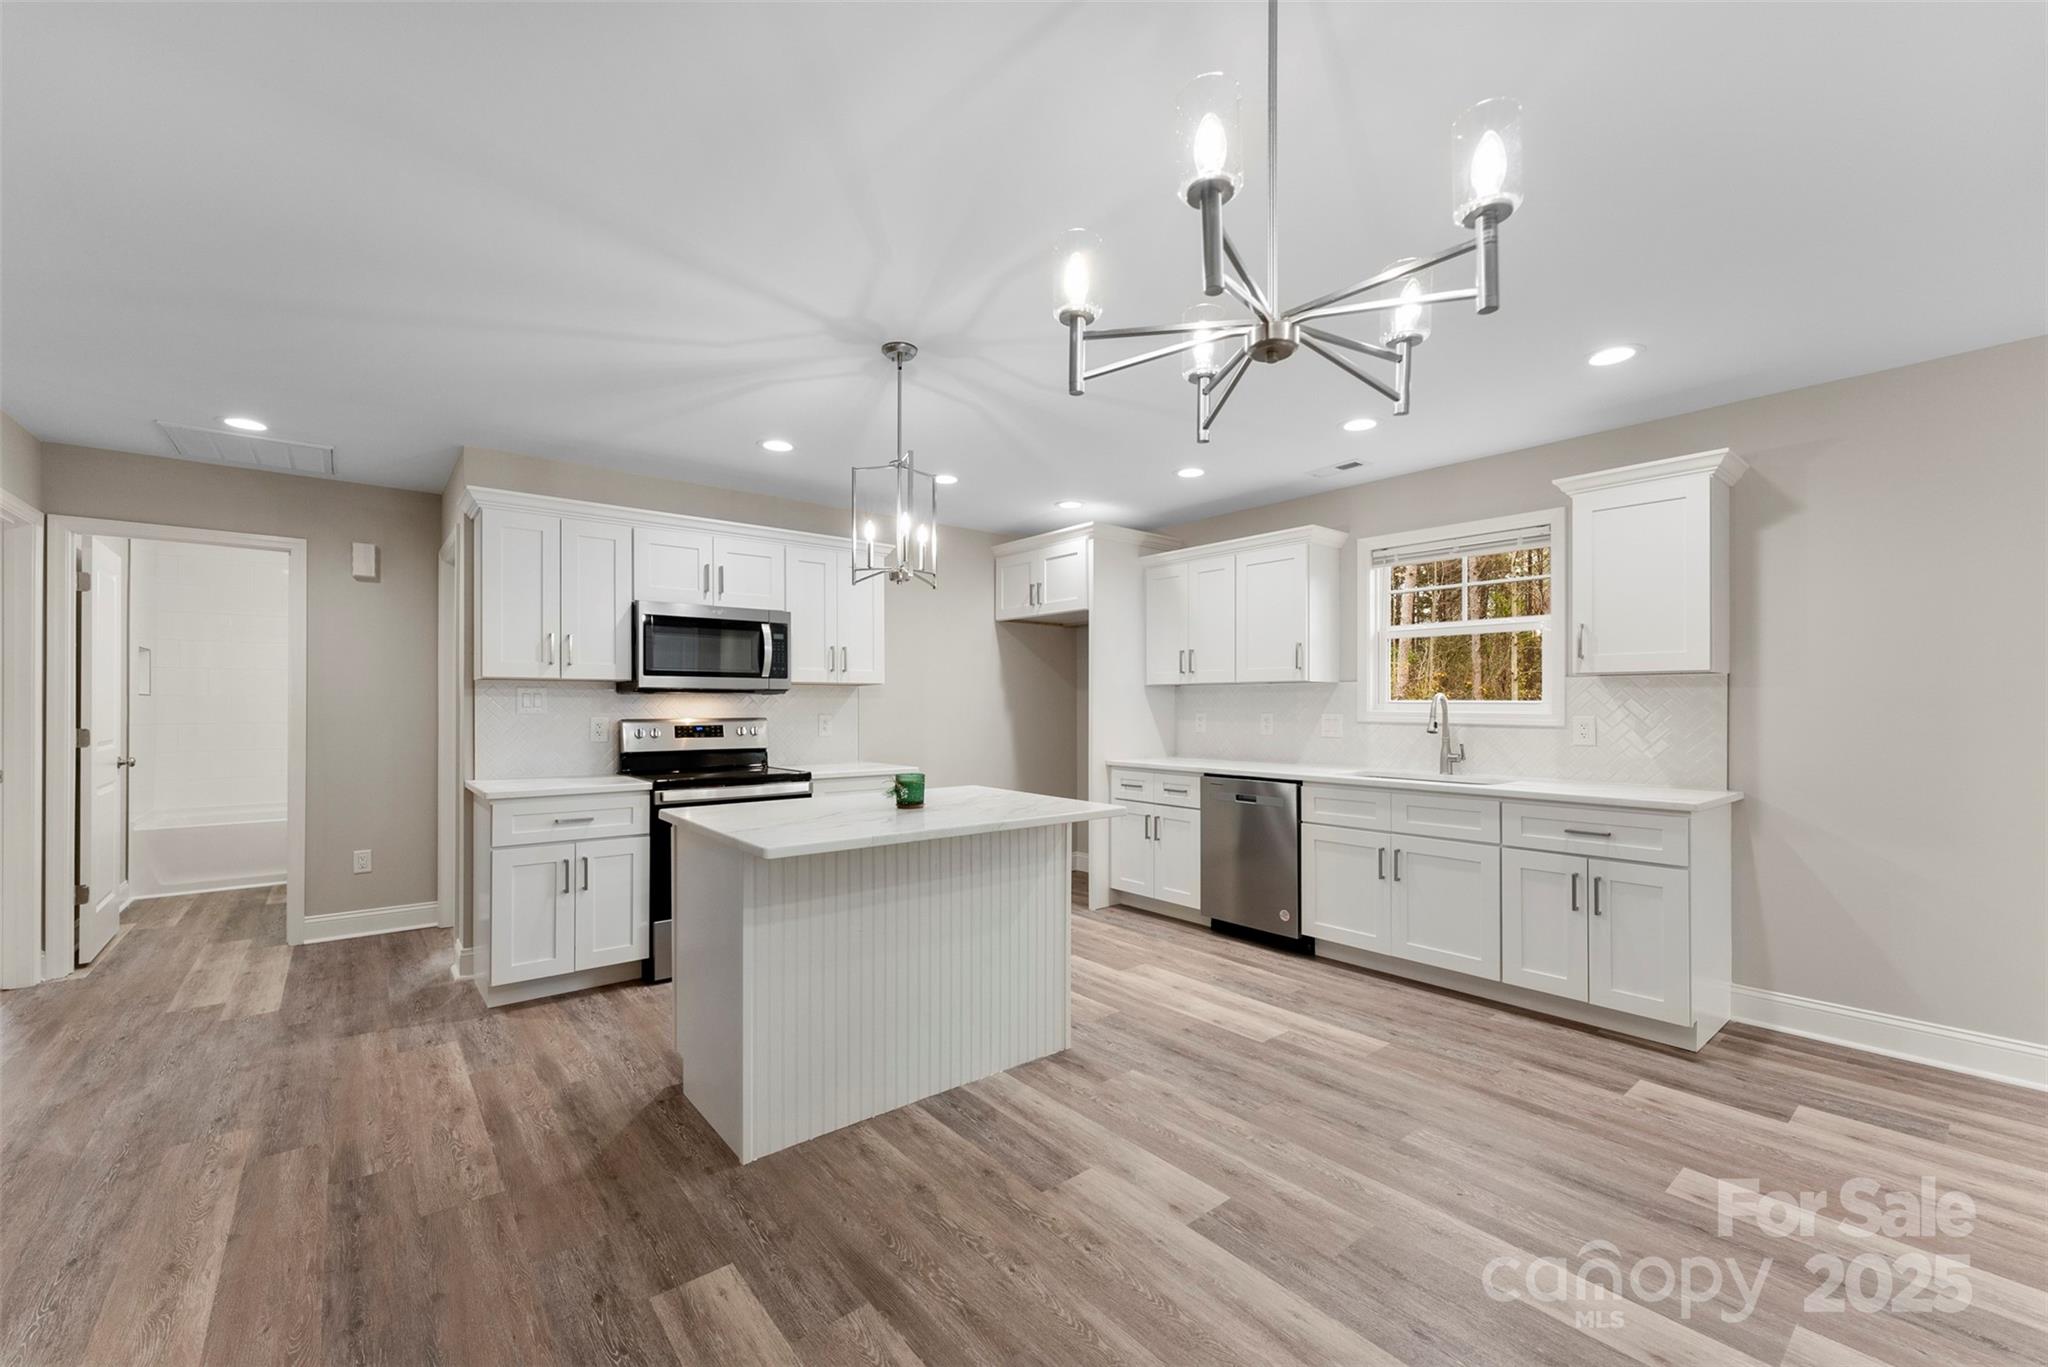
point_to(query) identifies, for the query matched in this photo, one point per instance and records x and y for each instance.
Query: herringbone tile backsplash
(556, 743)
(1649, 729)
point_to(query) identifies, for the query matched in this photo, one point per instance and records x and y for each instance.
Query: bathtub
(206, 850)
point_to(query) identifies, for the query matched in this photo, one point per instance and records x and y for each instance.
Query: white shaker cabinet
(671, 565)
(835, 625)
(1191, 621)
(554, 597)
(1261, 609)
(748, 572)
(533, 912)
(1543, 915)
(1049, 580)
(1649, 566)
(1346, 890)
(1638, 951)
(1156, 851)
(1446, 904)
(613, 881)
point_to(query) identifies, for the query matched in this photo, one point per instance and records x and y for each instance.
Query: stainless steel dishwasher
(1251, 853)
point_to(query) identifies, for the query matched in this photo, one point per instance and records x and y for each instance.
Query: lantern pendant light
(895, 507)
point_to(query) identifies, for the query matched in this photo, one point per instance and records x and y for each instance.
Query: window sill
(1552, 718)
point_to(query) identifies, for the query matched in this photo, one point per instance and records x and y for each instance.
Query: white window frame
(1374, 587)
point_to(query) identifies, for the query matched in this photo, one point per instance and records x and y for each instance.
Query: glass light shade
(1407, 322)
(1204, 361)
(1486, 161)
(1207, 137)
(1076, 263)
(895, 522)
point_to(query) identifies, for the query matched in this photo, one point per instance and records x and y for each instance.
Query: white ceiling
(645, 237)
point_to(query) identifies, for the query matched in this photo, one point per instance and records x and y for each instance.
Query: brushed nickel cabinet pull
(574, 820)
(1596, 894)
(1383, 863)
(1582, 641)
(565, 875)
(586, 872)
(1297, 655)
(569, 650)
(1575, 892)
(1397, 865)
(1573, 830)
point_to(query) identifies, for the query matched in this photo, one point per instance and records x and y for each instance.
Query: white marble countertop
(853, 821)
(1649, 797)
(495, 789)
(861, 768)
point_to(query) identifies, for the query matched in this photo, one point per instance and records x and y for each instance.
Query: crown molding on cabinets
(1147, 543)
(1314, 536)
(474, 499)
(1722, 464)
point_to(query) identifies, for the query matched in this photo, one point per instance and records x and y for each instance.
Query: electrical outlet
(1582, 731)
(362, 861)
(533, 700)
(600, 729)
(1265, 723)
(824, 723)
(1201, 723)
(1333, 724)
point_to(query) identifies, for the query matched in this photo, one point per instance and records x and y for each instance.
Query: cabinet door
(747, 572)
(1346, 888)
(1131, 857)
(671, 565)
(533, 912)
(1543, 901)
(1641, 588)
(519, 604)
(813, 612)
(1639, 941)
(1447, 905)
(1166, 624)
(1212, 620)
(862, 642)
(1016, 585)
(1177, 856)
(1272, 614)
(612, 911)
(1063, 576)
(597, 600)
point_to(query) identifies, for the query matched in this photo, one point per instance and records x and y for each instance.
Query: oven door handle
(767, 649)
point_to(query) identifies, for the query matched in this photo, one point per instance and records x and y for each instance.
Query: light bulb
(1408, 320)
(1212, 147)
(1408, 315)
(1489, 165)
(867, 530)
(923, 533)
(1074, 266)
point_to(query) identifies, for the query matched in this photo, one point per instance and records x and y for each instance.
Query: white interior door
(813, 625)
(103, 764)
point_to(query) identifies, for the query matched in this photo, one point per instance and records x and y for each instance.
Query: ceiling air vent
(255, 453)
(1342, 467)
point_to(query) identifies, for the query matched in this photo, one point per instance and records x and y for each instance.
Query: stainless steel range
(695, 760)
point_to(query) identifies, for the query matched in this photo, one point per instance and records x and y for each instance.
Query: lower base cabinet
(1601, 931)
(1346, 893)
(1446, 905)
(1543, 915)
(567, 906)
(1156, 851)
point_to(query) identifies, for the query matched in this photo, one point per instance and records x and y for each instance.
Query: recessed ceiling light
(1613, 355)
(945, 479)
(1070, 504)
(1361, 424)
(777, 445)
(246, 424)
(1191, 472)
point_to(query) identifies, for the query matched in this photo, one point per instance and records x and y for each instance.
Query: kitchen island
(839, 957)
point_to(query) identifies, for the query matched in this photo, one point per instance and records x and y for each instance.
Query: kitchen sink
(1410, 776)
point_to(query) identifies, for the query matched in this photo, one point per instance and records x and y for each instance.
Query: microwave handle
(767, 649)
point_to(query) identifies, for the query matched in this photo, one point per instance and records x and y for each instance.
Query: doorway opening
(176, 754)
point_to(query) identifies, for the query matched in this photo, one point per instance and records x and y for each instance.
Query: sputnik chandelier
(1486, 145)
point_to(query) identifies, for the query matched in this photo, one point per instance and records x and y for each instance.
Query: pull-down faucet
(1440, 725)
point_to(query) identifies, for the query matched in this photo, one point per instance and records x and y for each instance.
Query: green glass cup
(909, 790)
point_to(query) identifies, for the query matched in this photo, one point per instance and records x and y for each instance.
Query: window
(1468, 611)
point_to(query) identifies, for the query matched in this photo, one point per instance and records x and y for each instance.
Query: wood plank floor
(220, 1149)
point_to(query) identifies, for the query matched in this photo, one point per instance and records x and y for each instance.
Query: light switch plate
(1333, 724)
(362, 861)
(600, 729)
(824, 723)
(1583, 731)
(533, 700)
(1201, 723)
(1265, 723)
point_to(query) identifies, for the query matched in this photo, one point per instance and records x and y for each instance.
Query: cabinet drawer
(1447, 816)
(593, 816)
(1177, 790)
(1132, 785)
(1613, 832)
(1336, 804)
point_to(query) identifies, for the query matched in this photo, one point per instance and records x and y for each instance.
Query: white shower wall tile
(557, 744)
(1649, 729)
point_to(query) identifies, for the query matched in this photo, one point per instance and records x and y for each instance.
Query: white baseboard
(347, 925)
(1080, 861)
(1941, 1046)
(465, 964)
(151, 891)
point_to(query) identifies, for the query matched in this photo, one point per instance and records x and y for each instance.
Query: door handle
(1383, 863)
(565, 875)
(128, 763)
(1575, 892)
(767, 644)
(585, 859)
(1596, 894)
(569, 649)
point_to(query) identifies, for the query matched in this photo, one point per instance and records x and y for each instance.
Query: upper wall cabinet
(1051, 577)
(694, 565)
(1649, 566)
(835, 625)
(1258, 610)
(554, 597)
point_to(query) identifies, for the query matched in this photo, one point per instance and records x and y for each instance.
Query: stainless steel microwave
(704, 649)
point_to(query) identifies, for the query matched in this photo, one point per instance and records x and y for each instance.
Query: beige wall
(969, 700)
(21, 463)
(370, 647)
(1888, 717)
